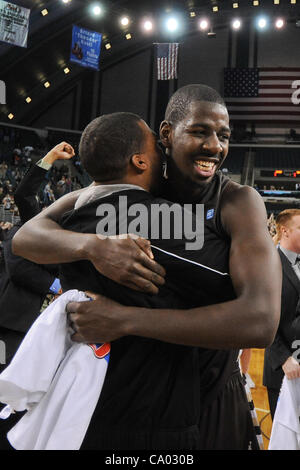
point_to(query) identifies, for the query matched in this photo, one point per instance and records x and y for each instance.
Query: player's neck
(136, 181)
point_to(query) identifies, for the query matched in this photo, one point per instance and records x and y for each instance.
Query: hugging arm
(126, 261)
(250, 320)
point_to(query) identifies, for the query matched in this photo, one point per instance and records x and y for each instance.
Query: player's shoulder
(239, 194)
(242, 209)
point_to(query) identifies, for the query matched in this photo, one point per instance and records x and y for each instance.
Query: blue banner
(85, 48)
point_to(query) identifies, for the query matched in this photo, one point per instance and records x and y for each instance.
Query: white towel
(285, 433)
(58, 381)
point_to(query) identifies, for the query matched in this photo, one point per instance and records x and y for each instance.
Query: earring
(165, 172)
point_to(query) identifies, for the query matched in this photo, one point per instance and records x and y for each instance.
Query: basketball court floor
(259, 394)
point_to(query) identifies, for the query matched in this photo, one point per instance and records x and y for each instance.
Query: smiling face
(199, 142)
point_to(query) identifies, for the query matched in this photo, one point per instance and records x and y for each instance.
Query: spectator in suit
(23, 284)
(279, 360)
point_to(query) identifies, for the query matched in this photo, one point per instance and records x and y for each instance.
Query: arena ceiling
(24, 70)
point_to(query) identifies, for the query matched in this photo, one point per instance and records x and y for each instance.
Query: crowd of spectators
(17, 154)
(14, 161)
(58, 181)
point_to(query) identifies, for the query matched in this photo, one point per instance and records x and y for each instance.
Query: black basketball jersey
(216, 366)
(151, 397)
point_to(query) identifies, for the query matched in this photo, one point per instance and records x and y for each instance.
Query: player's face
(199, 143)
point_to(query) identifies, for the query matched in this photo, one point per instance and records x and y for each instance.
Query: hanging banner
(85, 48)
(14, 23)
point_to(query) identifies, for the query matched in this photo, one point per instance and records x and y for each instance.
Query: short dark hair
(179, 103)
(108, 142)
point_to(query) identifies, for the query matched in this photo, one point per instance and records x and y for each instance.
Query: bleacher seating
(55, 136)
(8, 216)
(235, 160)
(285, 158)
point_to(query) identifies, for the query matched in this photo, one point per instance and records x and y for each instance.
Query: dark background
(126, 80)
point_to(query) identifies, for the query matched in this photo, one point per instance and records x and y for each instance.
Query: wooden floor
(259, 394)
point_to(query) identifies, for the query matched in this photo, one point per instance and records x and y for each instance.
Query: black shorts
(226, 423)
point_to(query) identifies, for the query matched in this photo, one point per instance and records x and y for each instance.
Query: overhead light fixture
(96, 9)
(276, 2)
(46, 84)
(66, 70)
(235, 5)
(192, 14)
(28, 99)
(124, 21)
(236, 24)
(172, 24)
(211, 34)
(215, 8)
(279, 23)
(44, 12)
(262, 23)
(203, 24)
(108, 45)
(66, 1)
(293, 2)
(128, 36)
(10, 116)
(148, 25)
(255, 3)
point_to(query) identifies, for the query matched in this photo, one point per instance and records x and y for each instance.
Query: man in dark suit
(23, 284)
(279, 359)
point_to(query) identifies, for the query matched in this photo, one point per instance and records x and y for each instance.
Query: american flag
(263, 94)
(167, 55)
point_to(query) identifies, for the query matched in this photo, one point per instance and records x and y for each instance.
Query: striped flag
(263, 94)
(167, 55)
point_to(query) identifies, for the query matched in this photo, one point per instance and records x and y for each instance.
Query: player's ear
(165, 134)
(140, 162)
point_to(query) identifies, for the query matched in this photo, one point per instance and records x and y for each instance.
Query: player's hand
(62, 151)
(127, 261)
(291, 368)
(98, 321)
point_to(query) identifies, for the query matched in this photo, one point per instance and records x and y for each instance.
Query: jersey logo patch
(100, 350)
(210, 214)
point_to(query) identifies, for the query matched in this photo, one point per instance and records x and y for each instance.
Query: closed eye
(224, 137)
(198, 132)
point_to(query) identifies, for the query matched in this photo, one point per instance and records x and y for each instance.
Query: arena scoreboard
(281, 173)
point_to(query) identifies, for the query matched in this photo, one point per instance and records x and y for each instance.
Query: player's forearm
(44, 242)
(230, 325)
